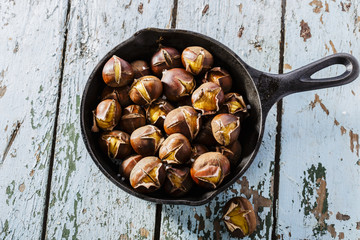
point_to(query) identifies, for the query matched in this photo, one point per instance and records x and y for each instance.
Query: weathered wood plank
(252, 30)
(30, 48)
(84, 204)
(320, 167)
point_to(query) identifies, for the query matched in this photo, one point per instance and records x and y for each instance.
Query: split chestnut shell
(178, 181)
(157, 111)
(177, 84)
(120, 94)
(176, 149)
(128, 164)
(146, 140)
(219, 76)
(208, 98)
(196, 60)
(117, 72)
(165, 58)
(145, 90)
(133, 117)
(106, 115)
(140, 68)
(225, 128)
(115, 144)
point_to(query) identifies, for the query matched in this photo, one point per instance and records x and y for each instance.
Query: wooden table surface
(304, 182)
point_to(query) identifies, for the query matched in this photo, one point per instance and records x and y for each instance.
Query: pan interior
(142, 46)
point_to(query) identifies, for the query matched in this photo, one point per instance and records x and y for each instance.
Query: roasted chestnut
(184, 120)
(145, 90)
(196, 60)
(117, 72)
(157, 111)
(119, 94)
(106, 115)
(219, 76)
(232, 152)
(209, 169)
(146, 140)
(140, 68)
(177, 84)
(197, 150)
(176, 149)
(128, 164)
(235, 104)
(239, 217)
(132, 118)
(225, 128)
(115, 144)
(205, 135)
(178, 181)
(148, 175)
(165, 58)
(208, 98)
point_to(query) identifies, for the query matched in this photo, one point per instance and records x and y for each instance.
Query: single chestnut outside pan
(261, 90)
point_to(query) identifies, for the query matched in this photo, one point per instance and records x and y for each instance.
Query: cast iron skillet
(260, 89)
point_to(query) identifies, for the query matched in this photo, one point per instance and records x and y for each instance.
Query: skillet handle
(273, 87)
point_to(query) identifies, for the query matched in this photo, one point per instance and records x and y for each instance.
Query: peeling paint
(354, 138)
(287, 66)
(358, 225)
(352, 92)
(326, 7)
(318, 100)
(200, 219)
(305, 30)
(345, 6)
(336, 122)
(331, 230)
(341, 235)
(342, 217)
(144, 232)
(204, 11)
(208, 211)
(333, 47)
(241, 30)
(141, 8)
(240, 7)
(343, 130)
(317, 4)
(22, 187)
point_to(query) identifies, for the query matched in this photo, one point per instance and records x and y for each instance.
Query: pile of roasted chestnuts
(172, 122)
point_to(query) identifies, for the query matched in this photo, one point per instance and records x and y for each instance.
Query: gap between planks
(52, 153)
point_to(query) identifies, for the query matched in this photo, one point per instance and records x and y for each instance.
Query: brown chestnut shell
(178, 181)
(165, 58)
(120, 94)
(197, 150)
(225, 128)
(128, 164)
(106, 115)
(115, 144)
(157, 112)
(208, 98)
(132, 118)
(205, 135)
(196, 60)
(140, 68)
(177, 84)
(176, 149)
(232, 152)
(117, 72)
(219, 76)
(145, 90)
(146, 140)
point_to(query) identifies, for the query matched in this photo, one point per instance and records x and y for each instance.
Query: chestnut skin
(197, 150)
(176, 149)
(235, 104)
(208, 98)
(205, 135)
(106, 115)
(165, 58)
(178, 181)
(232, 152)
(145, 90)
(210, 169)
(133, 117)
(184, 120)
(146, 140)
(128, 164)
(117, 72)
(120, 94)
(219, 76)
(148, 175)
(225, 128)
(115, 144)
(140, 68)
(177, 84)
(157, 112)
(196, 60)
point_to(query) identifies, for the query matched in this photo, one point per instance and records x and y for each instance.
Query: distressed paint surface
(84, 204)
(30, 48)
(245, 29)
(319, 165)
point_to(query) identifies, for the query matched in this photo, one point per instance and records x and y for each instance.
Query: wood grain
(84, 204)
(32, 35)
(320, 167)
(252, 30)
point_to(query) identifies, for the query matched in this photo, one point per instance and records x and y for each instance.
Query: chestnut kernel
(117, 72)
(145, 90)
(197, 150)
(235, 104)
(225, 128)
(208, 98)
(210, 169)
(140, 68)
(165, 58)
(148, 175)
(133, 117)
(196, 60)
(239, 217)
(232, 152)
(128, 164)
(146, 140)
(115, 144)
(176, 149)
(219, 76)
(178, 181)
(184, 120)
(157, 111)
(120, 94)
(177, 84)
(106, 115)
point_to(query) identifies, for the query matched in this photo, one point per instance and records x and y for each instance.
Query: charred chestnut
(157, 111)
(115, 144)
(232, 152)
(208, 98)
(178, 181)
(197, 150)
(146, 140)
(133, 117)
(145, 90)
(225, 128)
(148, 175)
(177, 84)
(128, 164)
(117, 72)
(140, 68)
(176, 149)
(184, 120)
(120, 94)
(219, 76)
(165, 58)
(210, 169)
(196, 60)
(106, 115)
(239, 217)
